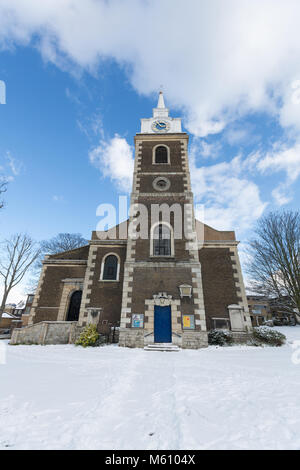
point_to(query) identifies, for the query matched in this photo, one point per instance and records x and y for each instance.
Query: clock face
(161, 126)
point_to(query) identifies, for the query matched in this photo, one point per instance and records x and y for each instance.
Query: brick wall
(107, 294)
(175, 151)
(52, 288)
(147, 281)
(218, 282)
(5, 323)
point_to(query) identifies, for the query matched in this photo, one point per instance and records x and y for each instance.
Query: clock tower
(162, 292)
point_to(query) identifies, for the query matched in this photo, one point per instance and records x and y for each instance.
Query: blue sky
(80, 75)
(47, 129)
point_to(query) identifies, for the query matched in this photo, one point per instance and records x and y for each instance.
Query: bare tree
(274, 267)
(17, 255)
(3, 188)
(62, 242)
(58, 244)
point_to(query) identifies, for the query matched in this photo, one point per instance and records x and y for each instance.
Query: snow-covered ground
(66, 397)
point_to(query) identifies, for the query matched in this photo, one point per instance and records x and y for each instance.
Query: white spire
(161, 121)
(161, 111)
(161, 101)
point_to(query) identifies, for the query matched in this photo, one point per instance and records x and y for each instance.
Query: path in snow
(63, 397)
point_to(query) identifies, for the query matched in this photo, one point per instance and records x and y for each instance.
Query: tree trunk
(3, 303)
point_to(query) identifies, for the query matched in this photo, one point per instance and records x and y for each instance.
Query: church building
(170, 284)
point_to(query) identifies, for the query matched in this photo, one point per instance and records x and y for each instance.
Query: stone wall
(131, 338)
(25, 319)
(47, 333)
(137, 339)
(194, 339)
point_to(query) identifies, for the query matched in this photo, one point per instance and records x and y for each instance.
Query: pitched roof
(8, 315)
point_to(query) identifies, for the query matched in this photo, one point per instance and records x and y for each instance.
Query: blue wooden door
(162, 325)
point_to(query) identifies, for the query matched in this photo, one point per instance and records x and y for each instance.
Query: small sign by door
(188, 322)
(137, 320)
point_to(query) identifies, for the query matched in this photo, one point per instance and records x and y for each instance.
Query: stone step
(167, 347)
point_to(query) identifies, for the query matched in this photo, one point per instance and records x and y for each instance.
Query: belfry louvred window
(162, 240)
(110, 271)
(161, 154)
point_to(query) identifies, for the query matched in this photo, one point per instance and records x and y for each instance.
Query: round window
(161, 183)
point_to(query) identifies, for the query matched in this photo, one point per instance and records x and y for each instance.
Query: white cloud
(14, 165)
(11, 168)
(72, 97)
(218, 60)
(238, 135)
(280, 195)
(91, 126)
(57, 198)
(285, 159)
(207, 150)
(17, 294)
(281, 159)
(114, 158)
(231, 200)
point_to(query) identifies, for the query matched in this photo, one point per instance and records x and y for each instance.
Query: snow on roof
(21, 305)
(8, 315)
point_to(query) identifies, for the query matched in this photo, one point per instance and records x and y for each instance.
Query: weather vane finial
(161, 102)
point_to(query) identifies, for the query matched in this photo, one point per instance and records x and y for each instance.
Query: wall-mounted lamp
(185, 290)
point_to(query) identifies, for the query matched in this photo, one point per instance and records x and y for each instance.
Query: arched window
(110, 268)
(74, 306)
(161, 154)
(162, 240)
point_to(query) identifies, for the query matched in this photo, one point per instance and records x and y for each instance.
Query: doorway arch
(74, 306)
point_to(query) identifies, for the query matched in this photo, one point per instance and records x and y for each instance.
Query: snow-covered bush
(220, 337)
(268, 323)
(266, 335)
(89, 337)
(281, 321)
